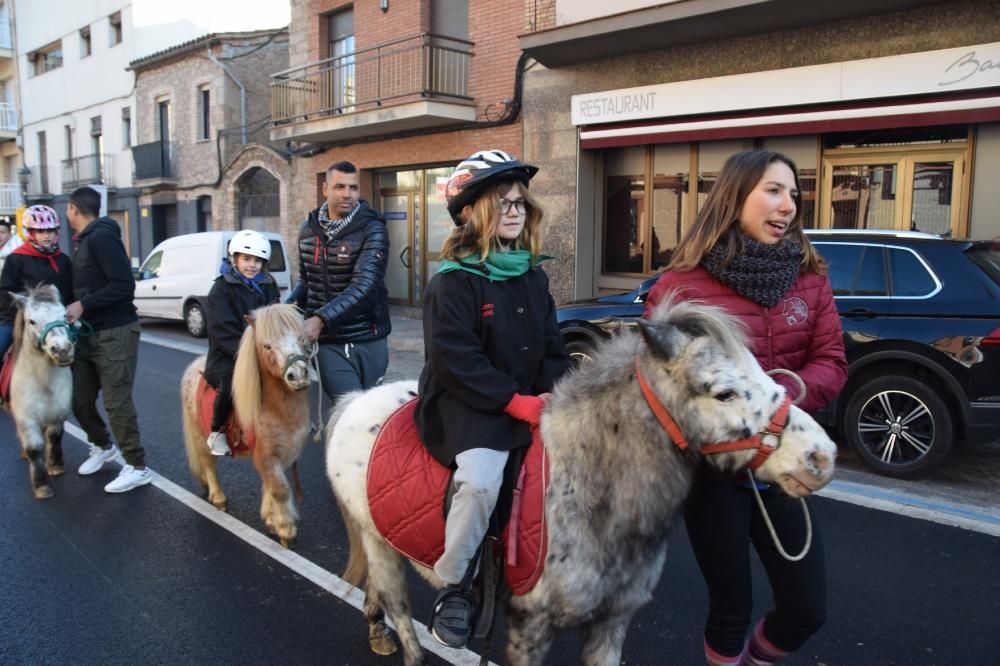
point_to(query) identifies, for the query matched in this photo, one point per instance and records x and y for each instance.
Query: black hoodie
(102, 276)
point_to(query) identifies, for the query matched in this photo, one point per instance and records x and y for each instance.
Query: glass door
(398, 211)
(915, 190)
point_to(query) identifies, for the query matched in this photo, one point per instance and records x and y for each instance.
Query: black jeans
(722, 520)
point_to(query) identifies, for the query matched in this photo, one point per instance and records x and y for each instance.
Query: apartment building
(202, 158)
(10, 161)
(79, 117)
(890, 109)
(404, 90)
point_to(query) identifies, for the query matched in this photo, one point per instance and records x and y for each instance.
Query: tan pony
(269, 398)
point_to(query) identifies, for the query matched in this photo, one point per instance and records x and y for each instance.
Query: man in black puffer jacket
(343, 253)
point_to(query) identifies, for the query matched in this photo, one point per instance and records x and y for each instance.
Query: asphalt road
(149, 576)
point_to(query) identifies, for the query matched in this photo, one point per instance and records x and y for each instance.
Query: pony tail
(246, 375)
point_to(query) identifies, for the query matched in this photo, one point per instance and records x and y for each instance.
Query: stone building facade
(203, 159)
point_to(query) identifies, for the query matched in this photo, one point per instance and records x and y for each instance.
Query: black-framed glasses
(517, 204)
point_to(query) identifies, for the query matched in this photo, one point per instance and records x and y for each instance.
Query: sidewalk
(407, 329)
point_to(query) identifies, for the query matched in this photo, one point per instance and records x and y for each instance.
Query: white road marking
(914, 506)
(307, 569)
(161, 341)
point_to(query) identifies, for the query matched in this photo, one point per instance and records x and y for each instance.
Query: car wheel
(581, 350)
(194, 319)
(898, 426)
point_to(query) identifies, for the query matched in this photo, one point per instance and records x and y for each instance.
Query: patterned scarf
(333, 227)
(762, 273)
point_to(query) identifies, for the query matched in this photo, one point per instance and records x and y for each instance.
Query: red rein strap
(661, 413)
(764, 447)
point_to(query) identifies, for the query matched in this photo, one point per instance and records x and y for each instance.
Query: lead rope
(313, 363)
(770, 525)
(756, 493)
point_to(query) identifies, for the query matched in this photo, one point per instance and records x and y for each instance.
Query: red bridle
(765, 442)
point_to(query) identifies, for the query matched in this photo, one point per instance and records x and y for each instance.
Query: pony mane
(270, 323)
(697, 318)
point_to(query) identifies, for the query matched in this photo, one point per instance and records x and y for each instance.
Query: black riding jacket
(21, 271)
(485, 341)
(229, 300)
(342, 281)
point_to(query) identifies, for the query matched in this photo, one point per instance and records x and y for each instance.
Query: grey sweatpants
(477, 482)
(352, 366)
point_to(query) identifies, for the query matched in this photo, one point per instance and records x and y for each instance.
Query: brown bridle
(765, 442)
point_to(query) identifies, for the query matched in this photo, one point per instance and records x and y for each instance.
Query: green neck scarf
(497, 266)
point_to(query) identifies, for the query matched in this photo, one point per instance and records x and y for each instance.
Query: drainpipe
(243, 95)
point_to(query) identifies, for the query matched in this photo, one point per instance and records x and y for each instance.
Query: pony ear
(20, 300)
(250, 319)
(664, 340)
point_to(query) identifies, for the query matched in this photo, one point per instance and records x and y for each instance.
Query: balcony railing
(87, 170)
(154, 160)
(423, 65)
(8, 117)
(10, 197)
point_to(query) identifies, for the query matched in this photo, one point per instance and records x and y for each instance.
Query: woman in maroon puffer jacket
(747, 253)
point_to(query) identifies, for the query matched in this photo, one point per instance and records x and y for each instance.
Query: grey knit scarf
(763, 273)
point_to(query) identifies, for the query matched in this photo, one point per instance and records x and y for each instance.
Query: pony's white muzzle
(297, 376)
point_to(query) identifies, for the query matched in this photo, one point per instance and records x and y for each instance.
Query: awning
(979, 107)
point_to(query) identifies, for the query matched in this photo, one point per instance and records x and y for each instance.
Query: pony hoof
(43, 492)
(289, 543)
(383, 645)
(56, 470)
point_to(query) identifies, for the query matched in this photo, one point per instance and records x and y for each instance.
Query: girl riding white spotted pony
(38, 261)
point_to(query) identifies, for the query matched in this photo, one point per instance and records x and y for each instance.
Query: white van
(174, 281)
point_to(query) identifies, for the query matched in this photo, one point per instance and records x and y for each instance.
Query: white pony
(618, 476)
(41, 387)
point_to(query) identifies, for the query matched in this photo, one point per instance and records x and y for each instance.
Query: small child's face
(248, 265)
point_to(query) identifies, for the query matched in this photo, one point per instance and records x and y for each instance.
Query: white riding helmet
(250, 242)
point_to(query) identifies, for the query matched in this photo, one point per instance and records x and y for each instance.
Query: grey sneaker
(218, 444)
(453, 617)
(96, 459)
(129, 478)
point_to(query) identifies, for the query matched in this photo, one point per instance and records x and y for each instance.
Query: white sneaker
(129, 478)
(96, 459)
(218, 444)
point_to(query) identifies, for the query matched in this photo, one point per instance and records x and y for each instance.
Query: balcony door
(920, 189)
(341, 51)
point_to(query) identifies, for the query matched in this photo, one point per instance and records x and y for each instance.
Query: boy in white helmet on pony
(242, 287)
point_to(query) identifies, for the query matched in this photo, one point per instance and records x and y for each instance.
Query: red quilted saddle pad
(241, 442)
(5, 373)
(406, 491)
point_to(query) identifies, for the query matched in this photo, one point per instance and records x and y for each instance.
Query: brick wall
(493, 29)
(540, 14)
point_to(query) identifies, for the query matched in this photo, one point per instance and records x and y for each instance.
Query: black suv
(921, 319)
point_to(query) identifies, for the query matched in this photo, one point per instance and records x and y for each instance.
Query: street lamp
(24, 177)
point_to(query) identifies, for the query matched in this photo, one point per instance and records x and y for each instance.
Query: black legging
(223, 405)
(722, 517)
